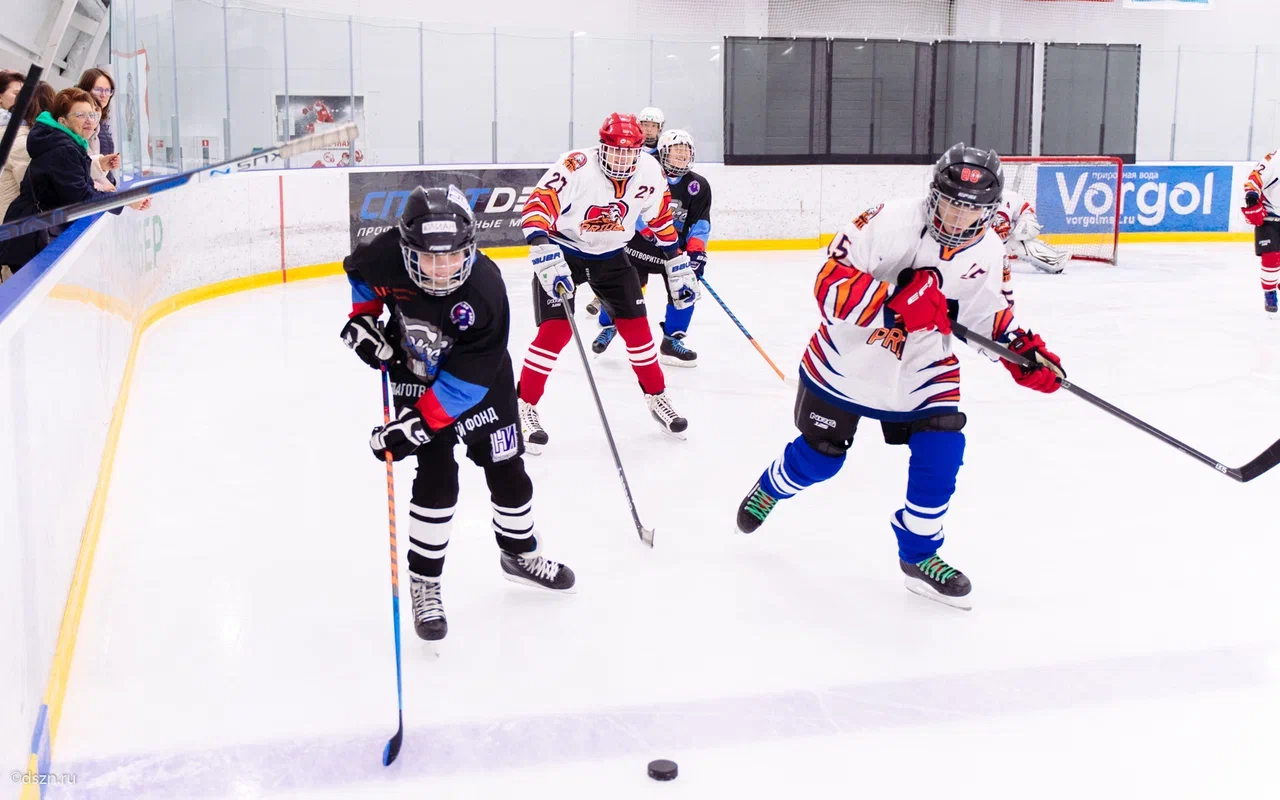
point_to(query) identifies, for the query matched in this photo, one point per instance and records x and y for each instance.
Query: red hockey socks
(1270, 271)
(552, 336)
(643, 354)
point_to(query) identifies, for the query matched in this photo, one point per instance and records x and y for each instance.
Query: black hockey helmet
(438, 238)
(967, 188)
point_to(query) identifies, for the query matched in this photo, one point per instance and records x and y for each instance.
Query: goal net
(1075, 199)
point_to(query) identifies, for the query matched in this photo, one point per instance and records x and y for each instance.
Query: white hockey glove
(551, 268)
(1026, 228)
(682, 282)
(364, 335)
(401, 437)
(1042, 256)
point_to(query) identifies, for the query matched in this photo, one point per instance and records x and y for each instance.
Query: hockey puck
(663, 770)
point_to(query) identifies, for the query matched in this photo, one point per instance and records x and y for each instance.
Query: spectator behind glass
(59, 172)
(16, 167)
(99, 84)
(10, 85)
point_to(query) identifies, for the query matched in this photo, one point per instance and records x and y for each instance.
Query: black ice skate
(672, 423)
(428, 611)
(675, 354)
(935, 579)
(754, 508)
(1269, 301)
(593, 308)
(604, 339)
(535, 438)
(532, 569)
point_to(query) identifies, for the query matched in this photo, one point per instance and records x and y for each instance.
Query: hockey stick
(1268, 459)
(262, 158)
(393, 745)
(19, 112)
(746, 333)
(646, 534)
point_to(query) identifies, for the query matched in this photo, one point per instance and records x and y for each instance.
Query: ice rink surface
(236, 640)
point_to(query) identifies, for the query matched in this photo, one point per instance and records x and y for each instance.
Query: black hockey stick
(1269, 458)
(646, 534)
(272, 156)
(19, 112)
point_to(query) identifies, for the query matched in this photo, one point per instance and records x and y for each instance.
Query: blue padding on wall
(19, 286)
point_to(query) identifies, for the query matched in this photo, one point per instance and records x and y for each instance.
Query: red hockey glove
(920, 301)
(1254, 211)
(1048, 373)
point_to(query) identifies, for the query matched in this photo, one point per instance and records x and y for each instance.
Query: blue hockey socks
(936, 457)
(798, 468)
(676, 323)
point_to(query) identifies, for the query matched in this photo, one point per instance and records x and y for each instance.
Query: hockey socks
(799, 467)
(642, 353)
(1270, 271)
(676, 323)
(931, 480)
(428, 538)
(552, 336)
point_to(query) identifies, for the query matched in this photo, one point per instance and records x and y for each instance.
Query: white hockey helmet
(651, 122)
(675, 152)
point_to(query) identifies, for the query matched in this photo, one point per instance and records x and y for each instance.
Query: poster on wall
(131, 111)
(1170, 5)
(314, 113)
(497, 196)
(1155, 198)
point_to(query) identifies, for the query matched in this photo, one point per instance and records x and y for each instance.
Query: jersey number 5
(839, 249)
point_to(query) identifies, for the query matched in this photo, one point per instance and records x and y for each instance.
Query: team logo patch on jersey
(694, 188)
(425, 345)
(601, 219)
(575, 161)
(463, 315)
(862, 219)
(504, 443)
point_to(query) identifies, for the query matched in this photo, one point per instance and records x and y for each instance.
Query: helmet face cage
(438, 274)
(651, 122)
(966, 190)
(954, 222)
(619, 162)
(676, 153)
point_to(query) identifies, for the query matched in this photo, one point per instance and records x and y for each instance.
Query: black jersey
(455, 345)
(691, 210)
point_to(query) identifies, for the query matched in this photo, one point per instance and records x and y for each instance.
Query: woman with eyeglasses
(59, 172)
(102, 144)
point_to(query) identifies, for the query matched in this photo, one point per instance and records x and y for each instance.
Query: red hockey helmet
(620, 143)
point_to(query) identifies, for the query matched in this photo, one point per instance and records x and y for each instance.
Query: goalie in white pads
(1019, 229)
(888, 292)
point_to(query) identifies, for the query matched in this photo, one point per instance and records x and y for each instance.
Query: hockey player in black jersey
(691, 208)
(445, 346)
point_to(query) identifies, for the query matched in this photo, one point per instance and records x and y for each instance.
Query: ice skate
(935, 579)
(672, 423)
(754, 508)
(532, 569)
(604, 339)
(428, 611)
(1269, 303)
(673, 353)
(535, 438)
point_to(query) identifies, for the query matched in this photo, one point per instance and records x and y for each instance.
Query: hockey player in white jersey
(577, 221)
(652, 121)
(1016, 223)
(893, 282)
(1260, 197)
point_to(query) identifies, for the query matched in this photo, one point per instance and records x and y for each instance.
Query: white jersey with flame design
(1013, 207)
(583, 210)
(1263, 180)
(860, 358)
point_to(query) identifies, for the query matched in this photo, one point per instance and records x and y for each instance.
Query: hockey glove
(400, 437)
(1048, 373)
(1254, 211)
(1026, 228)
(552, 270)
(365, 336)
(698, 260)
(920, 301)
(682, 282)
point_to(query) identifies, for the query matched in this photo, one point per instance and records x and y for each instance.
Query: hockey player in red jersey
(1260, 211)
(578, 221)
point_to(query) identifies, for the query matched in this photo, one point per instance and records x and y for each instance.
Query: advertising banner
(309, 113)
(1155, 198)
(497, 197)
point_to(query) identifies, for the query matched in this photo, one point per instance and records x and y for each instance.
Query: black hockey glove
(698, 260)
(364, 334)
(400, 437)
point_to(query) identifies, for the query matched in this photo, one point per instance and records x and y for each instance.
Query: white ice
(1124, 641)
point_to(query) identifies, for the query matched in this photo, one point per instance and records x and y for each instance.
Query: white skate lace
(663, 407)
(529, 417)
(540, 568)
(426, 600)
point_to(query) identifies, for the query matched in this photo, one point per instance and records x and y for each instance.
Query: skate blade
(679, 436)
(672, 361)
(917, 586)
(534, 585)
(532, 449)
